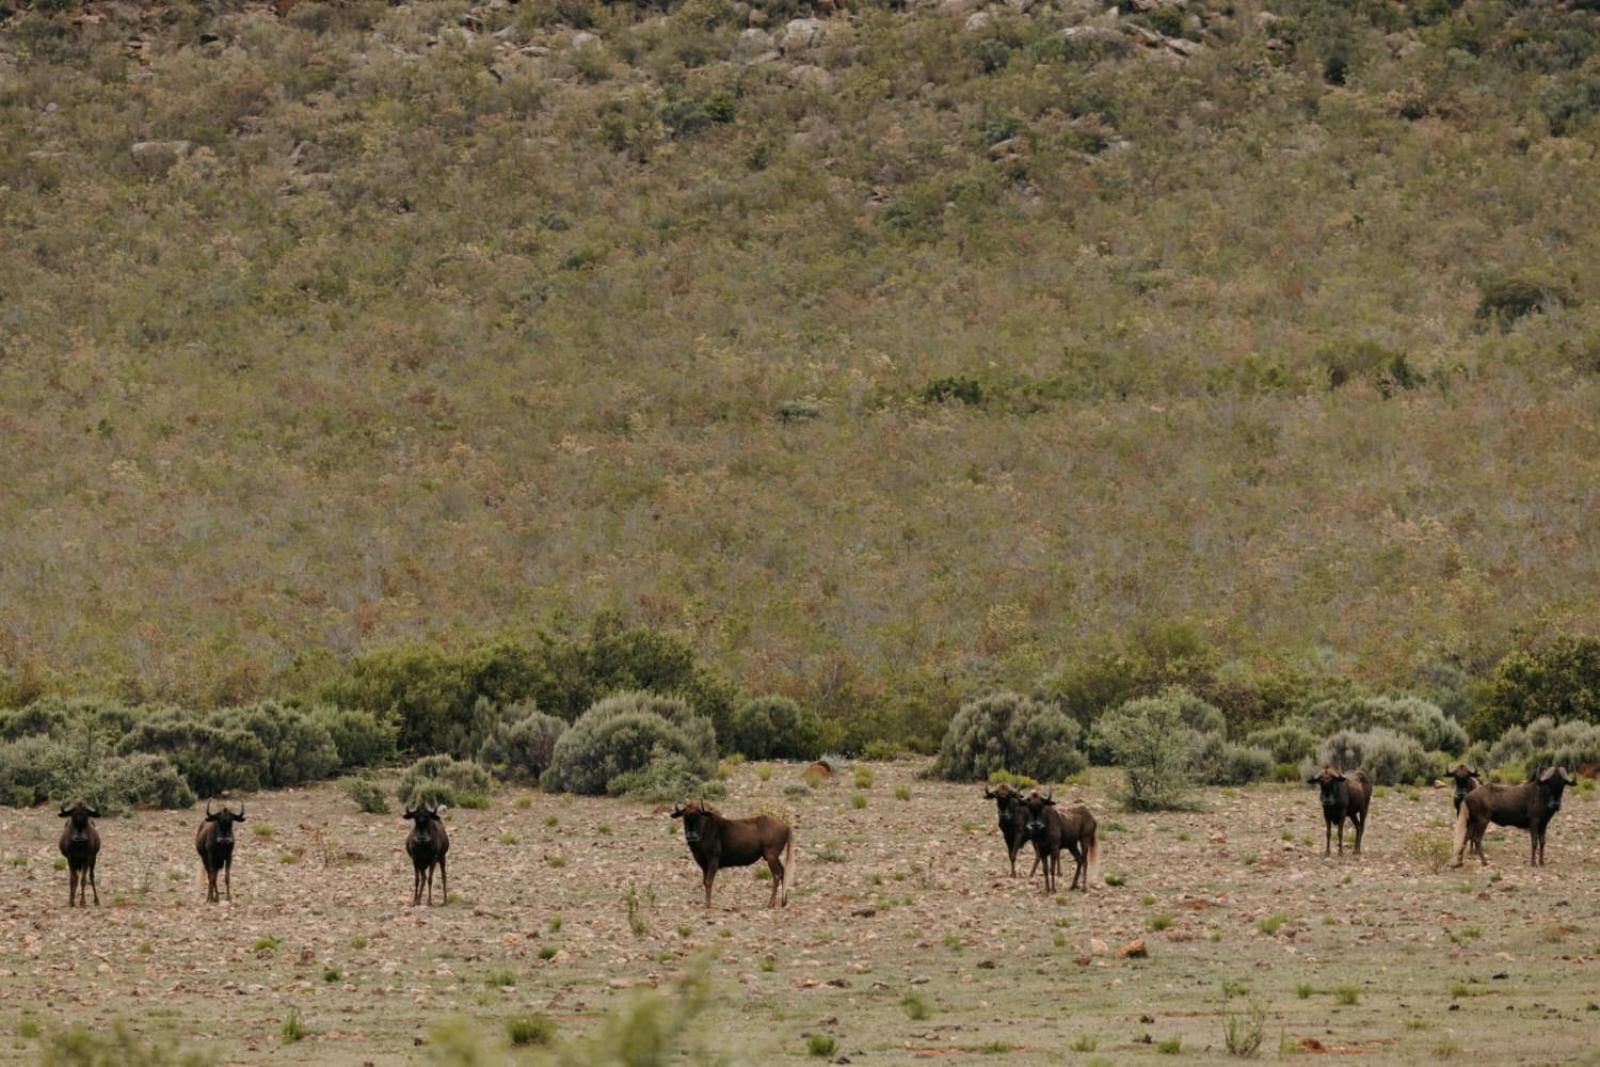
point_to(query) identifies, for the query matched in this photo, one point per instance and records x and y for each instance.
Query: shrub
(1288, 743)
(1009, 732)
(776, 728)
(361, 738)
(79, 1047)
(1505, 299)
(1149, 741)
(519, 747)
(298, 747)
(138, 781)
(212, 757)
(1219, 762)
(1412, 716)
(445, 780)
(25, 770)
(367, 794)
(668, 776)
(1389, 758)
(1571, 745)
(1559, 681)
(623, 733)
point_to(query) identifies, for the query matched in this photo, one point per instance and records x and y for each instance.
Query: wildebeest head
(1330, 782)
(1006, 799)
(80, 814)
(223, 821)
(1465, 778)
(423, 815)
(696, 816)
(1553, 781)
(1035, 807)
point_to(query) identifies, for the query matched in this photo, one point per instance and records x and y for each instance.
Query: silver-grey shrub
(1010, 732)
(1149, 740)
(1389, 758)
(624, 732)
(1412, 716)
(775, 728)
(361, 738)
(446, 780)
(1288, 743)
(521, 745)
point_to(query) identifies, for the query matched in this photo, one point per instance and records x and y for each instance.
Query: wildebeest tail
(788, 867)
(1461, 831)
(1091, 851)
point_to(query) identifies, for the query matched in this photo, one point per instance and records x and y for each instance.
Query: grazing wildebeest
(1050, 828)
(1013, 826)
(1344, 796)
(426, 845)
(718, 842)
(80, 843)
(214, 841)
(1530, 805)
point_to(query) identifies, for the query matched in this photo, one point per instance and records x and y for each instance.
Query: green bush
(1288, 743)
(214, 759)
(1426, 723)
(1009, 732)
(668, 776)
(1216, 761)
(520, 746)
(361, 738)
(775, 728)
(80, 1047)
(298, 747)
(623, 733)
(445, 780)
(38, 769)
(1388, 757)
(1505, 299)
(1150, 742)
(26, 770)
(138, 781)
(1560, 681)
(367, 793)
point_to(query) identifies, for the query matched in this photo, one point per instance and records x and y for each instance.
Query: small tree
(776, 728)
(1561, 681)
(1009, 732)
(1150, 742)
(624, 733)
(521, 745)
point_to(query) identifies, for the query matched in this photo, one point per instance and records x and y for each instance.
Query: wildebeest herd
(1031, 817)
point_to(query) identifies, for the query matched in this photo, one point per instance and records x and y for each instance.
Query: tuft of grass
(293, 1029)
(552, 821)
(1347, 994)
(902, 792)
(1170, 1047)
(1242, 1034)
(1116, 880)
(548, 952)
(554, 924)
(525, 1030)
(358, 942)
(764, 771)
(523, 802)
(1270, 924)
(500, 979)
(266, 943)
(1158, 923)
(858, 800)
(1084, 1043)
(332, 974)
(28, 1028)
(263, 830)
(1148, 899)
(820, 1045)
(508, 839)
(916, 1007)
(1304, 990)
(768, 964)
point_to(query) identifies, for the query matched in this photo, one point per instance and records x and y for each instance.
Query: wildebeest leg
(710, 877)
(1035, 868)
(1361, 828)
(775, 865)
(227, 878)
(416, 885)
(92, 886)
(1327, 841)
(1077, 864)
(72, 887)
(1341, 836)
(444, 883)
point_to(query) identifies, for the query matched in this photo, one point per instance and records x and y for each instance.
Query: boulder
(157, 157)
(800, 35)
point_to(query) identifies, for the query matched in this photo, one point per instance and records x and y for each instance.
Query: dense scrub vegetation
(424, 362)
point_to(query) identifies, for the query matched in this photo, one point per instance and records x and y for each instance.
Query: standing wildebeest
(214, 841)
(1343, 797)
(1012, 822)
(718, 842)
(426, 845)
(1530, 805)
(1465, 779)
(80, 843)
(1050, 828)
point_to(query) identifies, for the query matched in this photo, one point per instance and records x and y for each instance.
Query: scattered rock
(1133, 950)
(157, 157)
(976, 21)
(800, 35)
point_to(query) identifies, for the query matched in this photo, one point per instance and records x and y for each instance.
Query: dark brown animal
(1013, 826)
(1050, 829)
(426, 845)
(1464, 779)
(1344, 796)
(717, 842)
(214, 841)
(1530, 805)
(80, 843)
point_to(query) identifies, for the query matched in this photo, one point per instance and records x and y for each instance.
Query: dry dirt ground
(1377, 956)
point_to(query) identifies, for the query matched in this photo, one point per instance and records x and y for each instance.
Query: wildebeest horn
(65, 811)
(208, 809)
(240, 816)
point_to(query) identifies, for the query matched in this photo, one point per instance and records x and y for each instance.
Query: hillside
(873, 349)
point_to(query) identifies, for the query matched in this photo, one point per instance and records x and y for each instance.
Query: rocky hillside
(883, 350)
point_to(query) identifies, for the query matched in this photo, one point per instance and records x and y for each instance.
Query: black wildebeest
(214, 841)
(1344, 796)
(80, 843)
(1530, 805)
(1013, 826)
(1051, 828)
(1464, 779)
(718, 842)
(426, 845)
